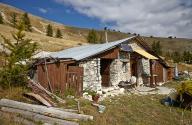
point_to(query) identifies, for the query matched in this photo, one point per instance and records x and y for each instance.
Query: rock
(85, 93)
(70, 97)
(99, 92)
(121, 90)
(133, 80)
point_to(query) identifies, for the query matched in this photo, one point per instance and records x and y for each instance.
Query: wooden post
(151, 70)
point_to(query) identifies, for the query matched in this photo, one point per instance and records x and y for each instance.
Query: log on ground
(43, 110)
(37, 117)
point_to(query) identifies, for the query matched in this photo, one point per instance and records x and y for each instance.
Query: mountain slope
(74, 36)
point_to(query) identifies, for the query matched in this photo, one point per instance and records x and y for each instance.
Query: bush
(185, 87)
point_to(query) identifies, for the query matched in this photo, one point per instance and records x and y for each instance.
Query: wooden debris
(38, 98)
(43, 110)
(37, 88)
(38, 117)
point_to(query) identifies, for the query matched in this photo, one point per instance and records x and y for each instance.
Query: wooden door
(134, 68)
(75, 79)
(105, 71)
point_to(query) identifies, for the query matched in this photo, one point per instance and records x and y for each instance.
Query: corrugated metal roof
(82, 52)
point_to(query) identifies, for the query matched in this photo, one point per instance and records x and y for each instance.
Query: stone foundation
(92, 77)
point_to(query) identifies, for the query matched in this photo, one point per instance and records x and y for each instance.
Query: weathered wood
(38, 98)
(15, 118)
(32, 83)
(37, 117)
(66, 110)
(43, 110)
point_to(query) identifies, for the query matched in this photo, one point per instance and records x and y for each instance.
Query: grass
(120, 110)
(137, 110)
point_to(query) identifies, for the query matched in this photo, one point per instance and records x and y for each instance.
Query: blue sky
(147, 17)
(54, 11)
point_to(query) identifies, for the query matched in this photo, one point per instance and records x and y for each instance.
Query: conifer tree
(15, 71)
(58, 34)
(156, 47)
(26, 22)
(187, 57)
(176, 57)
(168, 55)
(49, 30)
(1, 19)
(14, 20)
(92, 36)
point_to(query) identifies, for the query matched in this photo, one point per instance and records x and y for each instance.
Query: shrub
(185, 87)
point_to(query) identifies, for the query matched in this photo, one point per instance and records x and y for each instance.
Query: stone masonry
(92, 77)
(119, 71)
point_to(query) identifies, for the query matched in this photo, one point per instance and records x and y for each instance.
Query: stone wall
(143, 71)
(92, 77)
(119, 71)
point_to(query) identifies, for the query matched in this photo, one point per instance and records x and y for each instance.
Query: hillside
(74, 36)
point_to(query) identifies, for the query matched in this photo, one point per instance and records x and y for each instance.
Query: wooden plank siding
(170, 73)
(158, 70)
(61, 77)
(110, 54)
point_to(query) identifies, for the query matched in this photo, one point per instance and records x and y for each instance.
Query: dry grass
(45, 42)
(137, 110)
(14, 93)
(120, 110)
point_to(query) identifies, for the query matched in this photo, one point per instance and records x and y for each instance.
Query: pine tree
(153, 46)
(101, 37)
(1, 19)
(92, 36)
(176, 57)
(156, 47)
(58, 34)
(187, 57)
(168, 56)
(26, 22)
(49, 30)
(14, 20)
(15, 72)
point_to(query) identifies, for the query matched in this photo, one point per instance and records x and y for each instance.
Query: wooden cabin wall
(158, 70)
(61, 76)
(110, 54)
(170, 73)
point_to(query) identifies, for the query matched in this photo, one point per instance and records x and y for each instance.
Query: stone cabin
(102, 65)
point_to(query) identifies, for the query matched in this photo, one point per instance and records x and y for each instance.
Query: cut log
(33, 84)
(38, 98)
(37, 117)
(15, 118)
(66, 110)
(43, 110)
